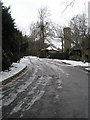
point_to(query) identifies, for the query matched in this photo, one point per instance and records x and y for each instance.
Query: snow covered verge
(86, 65)
(76, 63)
(16, 68)
(88, 69)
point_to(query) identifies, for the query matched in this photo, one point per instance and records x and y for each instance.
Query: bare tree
(79, 28)
(40, 30)
(43, 23)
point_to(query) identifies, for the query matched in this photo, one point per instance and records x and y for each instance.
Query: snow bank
(87, 69)
(25, 60)
(16, 68)
(76, 63)
(28, 60)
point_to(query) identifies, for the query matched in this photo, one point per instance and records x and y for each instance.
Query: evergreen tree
(12, 40)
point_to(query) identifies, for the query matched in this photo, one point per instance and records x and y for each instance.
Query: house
(47, 52)
(52, 50)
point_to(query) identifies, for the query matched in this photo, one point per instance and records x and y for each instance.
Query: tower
(67, 38)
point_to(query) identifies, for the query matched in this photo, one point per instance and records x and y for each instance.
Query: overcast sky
(26, 11)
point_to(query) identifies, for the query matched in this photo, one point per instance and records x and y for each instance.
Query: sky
(25, 12)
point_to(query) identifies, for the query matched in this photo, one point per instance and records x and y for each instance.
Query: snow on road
(17, 67)
(19, 96)
(32, 87)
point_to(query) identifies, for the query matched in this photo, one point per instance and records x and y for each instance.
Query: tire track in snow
(26, 93)
(34, 95)
(35, 85)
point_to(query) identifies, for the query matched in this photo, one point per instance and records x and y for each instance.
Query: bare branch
(70, 4)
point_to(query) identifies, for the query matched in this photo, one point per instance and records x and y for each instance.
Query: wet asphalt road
(49, 89)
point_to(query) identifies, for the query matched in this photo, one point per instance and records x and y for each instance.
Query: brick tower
(67, 38)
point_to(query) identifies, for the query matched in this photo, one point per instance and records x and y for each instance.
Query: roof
(53, 41)
(51, 48)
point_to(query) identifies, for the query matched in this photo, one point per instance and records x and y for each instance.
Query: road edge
(6, 81)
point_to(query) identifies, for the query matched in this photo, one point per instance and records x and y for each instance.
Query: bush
(74, 57)
(6, 63)
(59, 55)
(42, 54)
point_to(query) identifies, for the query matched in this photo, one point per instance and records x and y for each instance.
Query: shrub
(42, 54)
(5, 61)
(58, 55)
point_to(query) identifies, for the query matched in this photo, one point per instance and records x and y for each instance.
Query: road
(49, 89)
